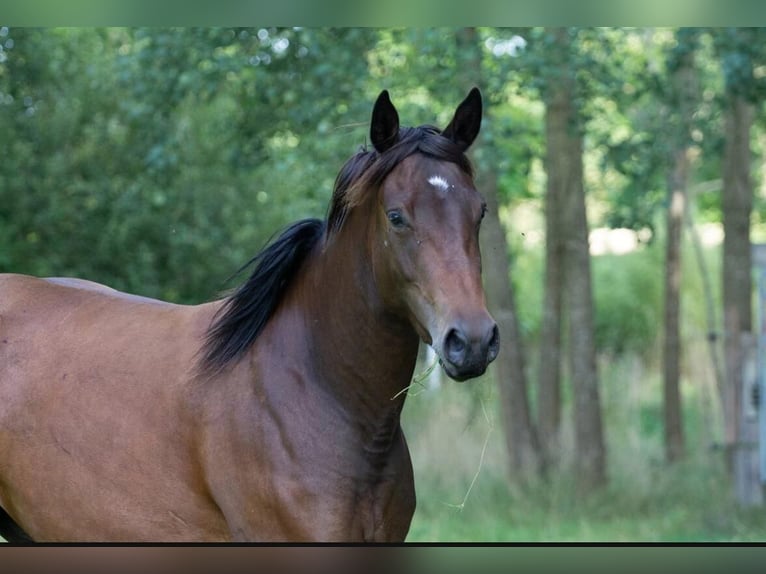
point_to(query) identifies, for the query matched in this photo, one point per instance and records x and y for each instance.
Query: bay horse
(272, 414)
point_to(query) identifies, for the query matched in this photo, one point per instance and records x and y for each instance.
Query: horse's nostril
(494, 344)
(455, 346)
(495, 340)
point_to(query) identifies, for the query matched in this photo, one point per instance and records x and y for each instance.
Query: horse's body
(116, 427)
(126, 418)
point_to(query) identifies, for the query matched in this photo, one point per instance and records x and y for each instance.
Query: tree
(683, 88)
(665, 108)
(739, 49)
(564, 169)
(558, 123)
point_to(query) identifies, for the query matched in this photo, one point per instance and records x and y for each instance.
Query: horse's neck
(363, 355)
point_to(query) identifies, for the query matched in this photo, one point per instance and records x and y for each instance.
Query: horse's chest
(385, 510)
(341, 505)
(385, 499)
(349, 509)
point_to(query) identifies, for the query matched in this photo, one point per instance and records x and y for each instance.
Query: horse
(272, 413)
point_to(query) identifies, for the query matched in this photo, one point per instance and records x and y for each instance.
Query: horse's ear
(465, 125)
(384, 128)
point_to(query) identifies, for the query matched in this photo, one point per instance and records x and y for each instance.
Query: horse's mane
(245, 313)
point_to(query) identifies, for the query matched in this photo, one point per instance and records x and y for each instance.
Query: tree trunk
(674, 440)
(737, 287)
(549, 376)
(508, 369)
(683, 98)
(565, 152)
(589, 439)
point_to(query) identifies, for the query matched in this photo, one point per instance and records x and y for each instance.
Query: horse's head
(426, 237)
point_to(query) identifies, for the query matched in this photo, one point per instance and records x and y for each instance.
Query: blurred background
(624, 172)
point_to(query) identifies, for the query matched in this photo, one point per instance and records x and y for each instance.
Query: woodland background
(625, 176)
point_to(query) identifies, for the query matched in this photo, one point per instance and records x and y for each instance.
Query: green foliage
(741, 51)
(158, 160)
(628, 295)
(652, 108)
(628, 299)
(169, 155)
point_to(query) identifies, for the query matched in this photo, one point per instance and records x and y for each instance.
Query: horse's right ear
(384, 128)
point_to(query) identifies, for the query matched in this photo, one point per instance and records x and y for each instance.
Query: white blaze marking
(439, 182)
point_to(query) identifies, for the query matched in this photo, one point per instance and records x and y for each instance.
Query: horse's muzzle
(466, 353)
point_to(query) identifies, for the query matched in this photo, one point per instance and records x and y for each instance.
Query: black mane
(245, 313)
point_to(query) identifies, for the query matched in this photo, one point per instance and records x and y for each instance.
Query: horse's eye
(483, 210)
(396, 219)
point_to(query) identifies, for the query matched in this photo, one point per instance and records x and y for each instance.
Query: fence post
(747, 474)
(761, 361)
(759, 262)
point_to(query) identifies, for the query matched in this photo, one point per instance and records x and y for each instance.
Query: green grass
(645, 500)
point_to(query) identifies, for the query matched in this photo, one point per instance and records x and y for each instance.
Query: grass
(645, 500)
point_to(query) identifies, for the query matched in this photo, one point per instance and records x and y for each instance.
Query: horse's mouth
(462, 375)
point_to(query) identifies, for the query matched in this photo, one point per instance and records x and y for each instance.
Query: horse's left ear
(465, 125)
(384, 127)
